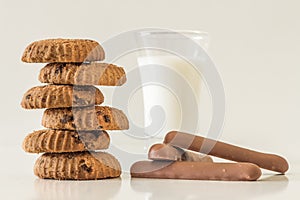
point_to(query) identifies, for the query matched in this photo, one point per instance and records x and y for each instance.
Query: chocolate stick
(227, 151)
(195, 170)
(169, 153)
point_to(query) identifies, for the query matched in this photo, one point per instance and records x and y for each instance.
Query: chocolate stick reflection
(183, 189)
(77, 190)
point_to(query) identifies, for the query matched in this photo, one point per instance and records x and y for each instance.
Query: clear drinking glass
(170, 82)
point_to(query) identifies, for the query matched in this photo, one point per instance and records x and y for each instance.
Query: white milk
(156, 94)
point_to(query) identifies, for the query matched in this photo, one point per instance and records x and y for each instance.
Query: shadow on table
(186, 189)
(75, 190)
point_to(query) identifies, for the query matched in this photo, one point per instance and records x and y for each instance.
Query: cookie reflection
(77, 190)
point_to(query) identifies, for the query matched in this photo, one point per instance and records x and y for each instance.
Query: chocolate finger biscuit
(77, 166)
(89, 118)
(57, 141)
(195, 170)
(59, 96)
(170, 153)
(83, 74)
(226, 151)
(63, 50)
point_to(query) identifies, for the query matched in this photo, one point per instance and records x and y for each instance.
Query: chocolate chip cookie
(77, 166)
(57, 141)
(63, 50)
(89, 118)
(83, 74)
(59, 96)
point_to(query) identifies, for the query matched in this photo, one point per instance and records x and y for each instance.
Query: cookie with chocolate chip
(88, 118)
(59, 96)
(57, 141)
(83, 74)
(77, 166)
(63, 50)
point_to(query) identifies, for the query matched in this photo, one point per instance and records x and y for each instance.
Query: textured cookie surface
(89, 118)
(83, 74)
(77, 166)
(63, 50)
(59, 96)
(65, 141)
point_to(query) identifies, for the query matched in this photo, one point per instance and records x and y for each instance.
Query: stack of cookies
(76, 124)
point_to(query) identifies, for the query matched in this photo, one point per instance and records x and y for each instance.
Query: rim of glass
(188, 33)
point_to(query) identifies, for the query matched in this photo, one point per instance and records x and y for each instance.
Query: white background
(255, 45)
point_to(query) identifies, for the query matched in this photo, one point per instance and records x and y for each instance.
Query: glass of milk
(171, 85)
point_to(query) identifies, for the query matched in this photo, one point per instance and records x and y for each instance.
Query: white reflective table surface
(18, 182)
